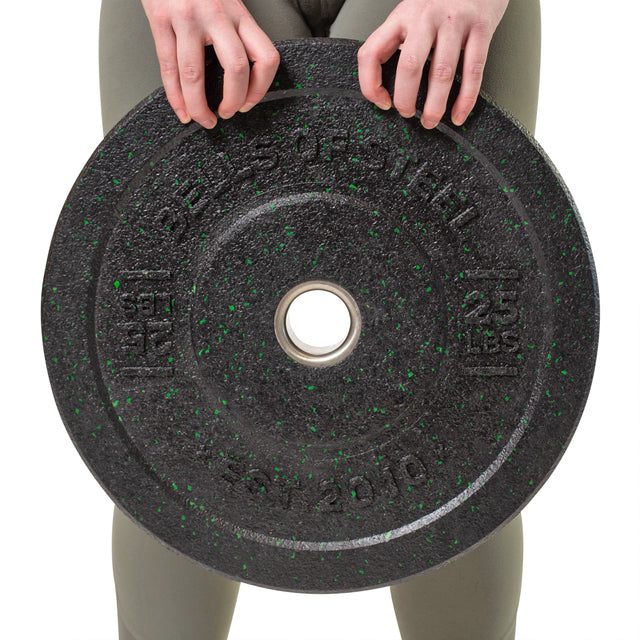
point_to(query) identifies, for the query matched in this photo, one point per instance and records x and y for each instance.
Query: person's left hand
(418, 25)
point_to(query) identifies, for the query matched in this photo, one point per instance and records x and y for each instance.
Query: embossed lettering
(361, 491)
(331, 493)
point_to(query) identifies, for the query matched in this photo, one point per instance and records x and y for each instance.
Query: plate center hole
(318, 322)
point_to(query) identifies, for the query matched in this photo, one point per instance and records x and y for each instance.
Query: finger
(441, 74)
(413, 57)
(475, 58)
(265, 58)
(233, 57)
(377, 49)
(165, 40)
(190, 49)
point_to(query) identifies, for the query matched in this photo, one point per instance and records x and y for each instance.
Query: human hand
(182, 28)
(418, 25)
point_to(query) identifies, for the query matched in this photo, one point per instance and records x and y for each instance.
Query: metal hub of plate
(475, 288)
(308, 354)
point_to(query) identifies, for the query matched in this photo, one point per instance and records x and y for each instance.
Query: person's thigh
(512, 73)
(279, 19)
(358, 19)
(129, 68)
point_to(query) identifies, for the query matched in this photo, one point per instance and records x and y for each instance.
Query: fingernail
(385, 106)
(246, 107)
(458, 119)
(182, 116)
(428, 124)
(209, 124)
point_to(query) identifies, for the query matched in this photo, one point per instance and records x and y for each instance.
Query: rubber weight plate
(462, 256)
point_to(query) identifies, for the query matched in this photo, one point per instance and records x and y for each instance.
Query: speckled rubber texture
(476, 285)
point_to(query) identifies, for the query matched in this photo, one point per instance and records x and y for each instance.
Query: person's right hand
(182, 28)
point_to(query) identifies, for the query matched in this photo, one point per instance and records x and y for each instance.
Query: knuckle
(191, 73)
(368, 93)
(253, 97)
(199, 115)
(272, 58)
(481, 27)
(238, 64)
(230, 104)
(476, 71)
(159, 16)
(409, 63)
(187, 12)
(216, 10)
(454, 16)
(404, 105)
(364, 53)
(433, 112)
(168, 68)
(467, 101)
(176, 103)
(442, 72)
(431, 116)
(157, 12)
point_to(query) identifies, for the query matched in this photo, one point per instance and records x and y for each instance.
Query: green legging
(164, 596)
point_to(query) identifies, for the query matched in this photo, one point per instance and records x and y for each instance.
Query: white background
(582, 531)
